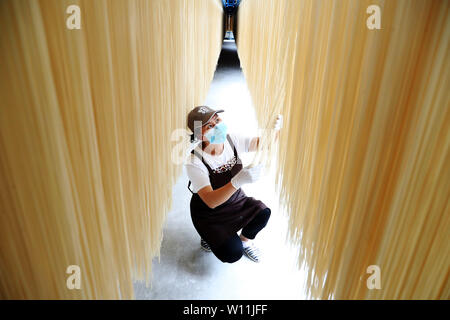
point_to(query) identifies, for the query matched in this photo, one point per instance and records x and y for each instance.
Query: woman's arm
(213, 198)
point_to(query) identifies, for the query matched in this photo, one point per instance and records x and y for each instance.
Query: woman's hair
(193, 139)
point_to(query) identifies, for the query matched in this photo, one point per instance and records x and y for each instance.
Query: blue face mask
(218, 134)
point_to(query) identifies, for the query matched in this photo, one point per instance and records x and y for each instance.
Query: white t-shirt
(197, 171)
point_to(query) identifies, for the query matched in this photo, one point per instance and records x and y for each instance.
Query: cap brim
(217, 111)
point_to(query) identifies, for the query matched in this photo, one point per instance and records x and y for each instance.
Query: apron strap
(201, 158)
(189, 184)
(204, 162)
(232, 145)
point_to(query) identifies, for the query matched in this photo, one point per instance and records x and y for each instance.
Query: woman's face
(210, 125)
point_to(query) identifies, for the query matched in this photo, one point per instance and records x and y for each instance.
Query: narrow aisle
(187, 272)
(229, 91)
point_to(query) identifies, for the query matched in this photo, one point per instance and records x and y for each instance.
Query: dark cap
(202, 114)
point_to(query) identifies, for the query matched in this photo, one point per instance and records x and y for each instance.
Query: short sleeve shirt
(198, 173)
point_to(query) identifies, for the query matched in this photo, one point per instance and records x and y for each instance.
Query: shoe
(252, 252)
(205, 246)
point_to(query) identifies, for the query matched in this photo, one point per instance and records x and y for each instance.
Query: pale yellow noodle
(86, 119)
(363, 169)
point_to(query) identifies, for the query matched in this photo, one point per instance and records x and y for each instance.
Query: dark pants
(232, 250)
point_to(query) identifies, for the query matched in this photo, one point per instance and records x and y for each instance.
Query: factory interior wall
(86, 129)
(364, 151)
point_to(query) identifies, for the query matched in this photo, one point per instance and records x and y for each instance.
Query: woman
(219, 207)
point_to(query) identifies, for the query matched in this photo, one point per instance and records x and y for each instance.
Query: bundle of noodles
(364, 153)
(86, 122)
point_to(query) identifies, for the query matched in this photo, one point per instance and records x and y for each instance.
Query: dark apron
(217, 225)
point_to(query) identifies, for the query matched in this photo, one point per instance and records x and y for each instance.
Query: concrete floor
(184, 271)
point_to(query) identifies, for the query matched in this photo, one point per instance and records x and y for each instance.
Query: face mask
(218, 134)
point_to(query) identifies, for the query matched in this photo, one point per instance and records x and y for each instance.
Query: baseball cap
(200, 113)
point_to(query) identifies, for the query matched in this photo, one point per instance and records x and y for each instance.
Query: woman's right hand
(213, 198)
(246, 175)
